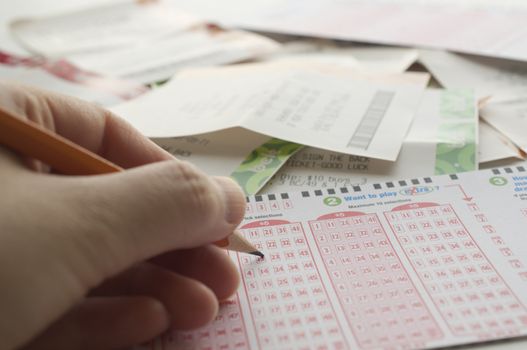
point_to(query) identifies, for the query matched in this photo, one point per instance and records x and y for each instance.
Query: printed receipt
(347, 114)
(443, 139)
(417, 263)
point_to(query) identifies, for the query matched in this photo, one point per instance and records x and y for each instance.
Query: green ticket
(262, 163)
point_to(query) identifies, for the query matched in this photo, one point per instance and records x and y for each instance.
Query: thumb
(62, 236)
(132, 216)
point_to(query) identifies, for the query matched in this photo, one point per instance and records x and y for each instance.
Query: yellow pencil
(31, 140)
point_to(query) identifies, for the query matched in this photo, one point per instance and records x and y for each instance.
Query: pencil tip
(257, 253)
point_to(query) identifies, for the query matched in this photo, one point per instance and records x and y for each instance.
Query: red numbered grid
(288, 301)
(227, 331)
(382, 305)
(466, 288)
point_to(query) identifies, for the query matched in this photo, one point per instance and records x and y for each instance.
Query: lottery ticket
(416, 263)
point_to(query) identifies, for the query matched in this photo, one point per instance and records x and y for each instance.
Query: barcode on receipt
(371, 120)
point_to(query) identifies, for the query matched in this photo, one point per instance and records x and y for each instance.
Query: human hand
(108, 261)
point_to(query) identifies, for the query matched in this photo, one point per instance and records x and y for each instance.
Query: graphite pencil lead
(257, 253)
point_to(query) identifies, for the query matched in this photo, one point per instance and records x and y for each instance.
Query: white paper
(501, 79)
(159, 60)
(507, 162)
(333, 59)
(419, 263)
(385, 59)
(44, 80)
(493, 28)
(345, 114)
(377, 59)
(510, 118)
(143, 41)
(101, 28)
(64, 78)
(218, 153)
(419, 156)
(352, 70)
(495, 146)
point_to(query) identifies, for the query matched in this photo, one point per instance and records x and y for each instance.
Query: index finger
(84, 123)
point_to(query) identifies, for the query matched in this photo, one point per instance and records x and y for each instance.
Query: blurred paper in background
(62, 77)
(500, 79)
(486, 27)
(144, 41)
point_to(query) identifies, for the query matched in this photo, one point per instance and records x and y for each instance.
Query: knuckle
(202, 198)
(195, 203)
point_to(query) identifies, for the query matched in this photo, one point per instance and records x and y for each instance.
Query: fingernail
(234, 199)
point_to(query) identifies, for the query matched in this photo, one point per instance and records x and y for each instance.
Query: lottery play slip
(416, 263)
